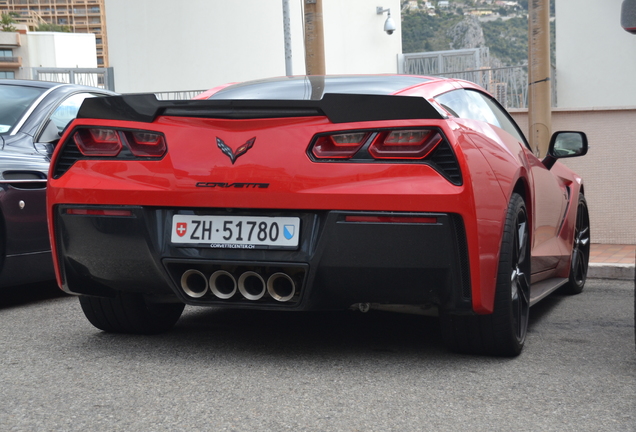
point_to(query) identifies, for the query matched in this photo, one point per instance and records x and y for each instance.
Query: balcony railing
(10, 62)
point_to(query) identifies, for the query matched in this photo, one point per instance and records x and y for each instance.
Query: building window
(9, 75)
(6, 53)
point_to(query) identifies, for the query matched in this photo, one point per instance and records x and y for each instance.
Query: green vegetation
(53, 28)
(507, 40)
(7, 20)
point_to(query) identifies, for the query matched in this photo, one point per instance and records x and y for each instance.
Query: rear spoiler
(339, 108)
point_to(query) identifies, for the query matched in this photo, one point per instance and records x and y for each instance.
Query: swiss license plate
(240, 232)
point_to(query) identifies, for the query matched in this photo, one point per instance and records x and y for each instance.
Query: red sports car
(405, 193)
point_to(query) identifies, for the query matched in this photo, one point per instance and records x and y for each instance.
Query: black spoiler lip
(338, 108)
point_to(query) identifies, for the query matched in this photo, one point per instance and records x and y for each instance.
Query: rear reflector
(392, 219)
(98, 212)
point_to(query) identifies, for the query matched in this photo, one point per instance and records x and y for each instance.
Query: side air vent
(70, 153)
(445, 161)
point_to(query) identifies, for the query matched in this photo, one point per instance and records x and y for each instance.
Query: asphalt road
(253, 371)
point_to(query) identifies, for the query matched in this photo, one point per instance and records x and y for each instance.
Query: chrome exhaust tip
(281, 287)
(194, 283)
(223, 284)
(252, 285)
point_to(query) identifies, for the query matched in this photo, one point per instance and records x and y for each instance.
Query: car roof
(314, 87)
(29, 83)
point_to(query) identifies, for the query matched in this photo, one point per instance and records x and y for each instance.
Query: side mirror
(565, 144)
(628, 16)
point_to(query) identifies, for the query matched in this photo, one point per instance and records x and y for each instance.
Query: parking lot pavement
(609, 261)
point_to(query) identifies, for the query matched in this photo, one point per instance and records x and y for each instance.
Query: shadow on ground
(30, 293)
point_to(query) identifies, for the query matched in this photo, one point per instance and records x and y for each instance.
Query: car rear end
(269, 205)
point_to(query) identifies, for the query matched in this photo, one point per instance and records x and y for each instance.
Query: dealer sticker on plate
(236, 232)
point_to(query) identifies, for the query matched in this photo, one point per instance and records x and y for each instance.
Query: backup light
(103, 142)
(405, 144)
(98, 142)
(146, 144)
(339, 146)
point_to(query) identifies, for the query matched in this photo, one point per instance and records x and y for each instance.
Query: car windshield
(14, 102)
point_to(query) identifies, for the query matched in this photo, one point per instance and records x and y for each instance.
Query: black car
(32, 116)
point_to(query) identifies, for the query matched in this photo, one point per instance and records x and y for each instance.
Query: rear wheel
(504, 331)
(130, 313)
(580, 250)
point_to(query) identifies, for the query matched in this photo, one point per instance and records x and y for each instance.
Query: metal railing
(178, 95)
(509, 85)
(93, 77)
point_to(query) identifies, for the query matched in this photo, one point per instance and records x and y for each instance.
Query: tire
(130, 313)
(580, 250)
(502, 333)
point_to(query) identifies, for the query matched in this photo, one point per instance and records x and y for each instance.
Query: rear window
(314, 87)
(15, 101)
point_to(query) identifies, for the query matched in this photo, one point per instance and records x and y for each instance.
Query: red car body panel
(492, 163)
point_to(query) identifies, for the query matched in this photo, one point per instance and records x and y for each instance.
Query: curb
(611, 271)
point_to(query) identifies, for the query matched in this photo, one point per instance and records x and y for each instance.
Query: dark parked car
(32, 116)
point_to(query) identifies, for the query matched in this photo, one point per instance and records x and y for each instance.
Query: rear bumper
(337, 263)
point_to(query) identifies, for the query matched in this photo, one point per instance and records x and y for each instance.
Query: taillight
(385, 144)
(338, 146)
(105, 142)
(146, 144)
(405, 144)
(98, 142)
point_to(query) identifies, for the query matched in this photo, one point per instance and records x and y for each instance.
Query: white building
(26, 50)
(162, 45)
(596, 58)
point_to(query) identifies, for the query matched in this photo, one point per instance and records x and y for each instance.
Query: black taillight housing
(98, 142)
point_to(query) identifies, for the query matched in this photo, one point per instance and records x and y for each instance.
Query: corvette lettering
(233, 185)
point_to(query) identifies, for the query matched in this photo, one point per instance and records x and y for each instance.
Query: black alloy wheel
(503, 332)
(580, 250)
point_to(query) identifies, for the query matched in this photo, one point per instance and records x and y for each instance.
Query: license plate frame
(236, 232)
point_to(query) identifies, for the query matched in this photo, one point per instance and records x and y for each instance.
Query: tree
(45, 27)
(7, 21)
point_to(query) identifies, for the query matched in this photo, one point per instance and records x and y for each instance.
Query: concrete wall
(608, 170)
(596, 58)
(157, 45)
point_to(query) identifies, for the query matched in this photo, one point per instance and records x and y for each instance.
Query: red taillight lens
(146, 144)
(405, 144)
(98, 142)
(338, 146)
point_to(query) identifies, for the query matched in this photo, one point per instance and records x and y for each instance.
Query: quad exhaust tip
(281, 287)
(194, 283)
(223, 284)
(252, 286)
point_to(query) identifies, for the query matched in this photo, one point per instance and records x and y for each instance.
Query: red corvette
(405, 193)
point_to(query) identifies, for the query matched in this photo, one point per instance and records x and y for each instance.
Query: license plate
(239, 232)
